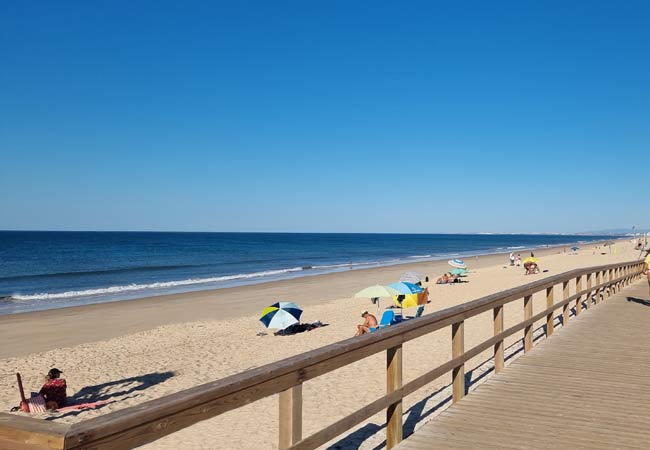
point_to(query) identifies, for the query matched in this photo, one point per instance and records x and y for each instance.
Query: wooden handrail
(149, 421)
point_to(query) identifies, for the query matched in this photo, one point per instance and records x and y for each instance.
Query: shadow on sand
(114, 390)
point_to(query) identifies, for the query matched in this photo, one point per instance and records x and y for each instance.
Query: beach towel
(299, 328)
(85, 405)
(36, 403)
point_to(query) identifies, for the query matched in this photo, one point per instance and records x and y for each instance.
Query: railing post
(290, 416)
(528, 330)
(589, 288)
(498, 347)
(457, 349)
(566, 308)
(599, 280)
(579, 299)
(549, 316)
(609, 278)
(393, 383)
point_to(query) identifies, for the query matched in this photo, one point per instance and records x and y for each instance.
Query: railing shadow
(419, 411)
(113, 390)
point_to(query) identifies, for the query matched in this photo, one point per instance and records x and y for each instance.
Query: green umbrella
(459, 272)
(377, 291)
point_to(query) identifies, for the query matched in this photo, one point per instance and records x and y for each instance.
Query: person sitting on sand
(531, 268)
(448, 278)
(369, 322)
(54, 390)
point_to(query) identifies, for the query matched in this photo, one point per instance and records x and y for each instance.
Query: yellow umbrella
(531, 259)
(412, 300)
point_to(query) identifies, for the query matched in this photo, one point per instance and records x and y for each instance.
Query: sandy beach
(133, 351)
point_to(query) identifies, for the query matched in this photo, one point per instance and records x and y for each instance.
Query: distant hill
(615, 232)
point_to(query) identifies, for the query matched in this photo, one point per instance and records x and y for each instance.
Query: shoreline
(36, 304)
(101, 321)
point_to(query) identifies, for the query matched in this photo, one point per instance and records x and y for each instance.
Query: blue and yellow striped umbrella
(280, 315)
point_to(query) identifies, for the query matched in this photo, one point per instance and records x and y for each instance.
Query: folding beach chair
(35, 404)
(386, 320)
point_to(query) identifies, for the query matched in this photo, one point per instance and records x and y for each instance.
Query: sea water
(43, 270)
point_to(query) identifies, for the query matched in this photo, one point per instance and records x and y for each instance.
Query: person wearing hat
(54, 390)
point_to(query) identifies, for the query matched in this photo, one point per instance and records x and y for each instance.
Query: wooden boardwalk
(586, 387)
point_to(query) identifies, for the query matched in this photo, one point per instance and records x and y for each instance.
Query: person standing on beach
(512, 259)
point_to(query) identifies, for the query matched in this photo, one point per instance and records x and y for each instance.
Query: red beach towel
(84, 405)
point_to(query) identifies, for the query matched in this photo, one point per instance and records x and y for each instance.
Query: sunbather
(448, 278)
(369, 322)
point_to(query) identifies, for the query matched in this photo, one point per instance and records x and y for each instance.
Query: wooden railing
(147, 422)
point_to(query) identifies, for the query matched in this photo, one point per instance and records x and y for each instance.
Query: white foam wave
(516, 247)
(158, 285)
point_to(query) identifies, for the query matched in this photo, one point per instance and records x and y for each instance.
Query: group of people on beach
(515, 260)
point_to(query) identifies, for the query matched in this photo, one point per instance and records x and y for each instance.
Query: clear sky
(324, 115)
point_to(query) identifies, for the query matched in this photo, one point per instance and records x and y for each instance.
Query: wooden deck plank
(586, 387)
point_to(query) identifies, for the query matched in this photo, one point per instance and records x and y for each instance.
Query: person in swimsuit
(369, 322)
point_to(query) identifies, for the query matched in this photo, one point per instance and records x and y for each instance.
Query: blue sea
(43, 270)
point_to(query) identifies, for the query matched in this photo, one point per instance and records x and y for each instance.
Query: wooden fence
(147, 422)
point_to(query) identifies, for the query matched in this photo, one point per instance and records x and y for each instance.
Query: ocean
(44, 270)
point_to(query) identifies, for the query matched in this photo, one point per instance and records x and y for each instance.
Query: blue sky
(324, 116)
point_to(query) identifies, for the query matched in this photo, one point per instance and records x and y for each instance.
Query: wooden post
(566, 308)
(290, 417)
(579, 299)
(610, 289)
(599, 280)
(589, 300)
(393, 383)
(498, 347)
(528, 330)
(457, 349)
(549, 316)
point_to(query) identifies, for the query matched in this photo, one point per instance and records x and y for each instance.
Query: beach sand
(138, 350)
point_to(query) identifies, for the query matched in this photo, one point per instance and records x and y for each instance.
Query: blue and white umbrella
(406, 288)
(457, 263)
(575, 249)
(280, 315)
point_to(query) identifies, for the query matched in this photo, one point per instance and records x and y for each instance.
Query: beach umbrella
(411, 277)
(374, 293)
(531, 259)
(377, 291)
(457, 263)
(459, 272)
(405, 288)
(280, 315)
(575, 249)
(411, 300)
